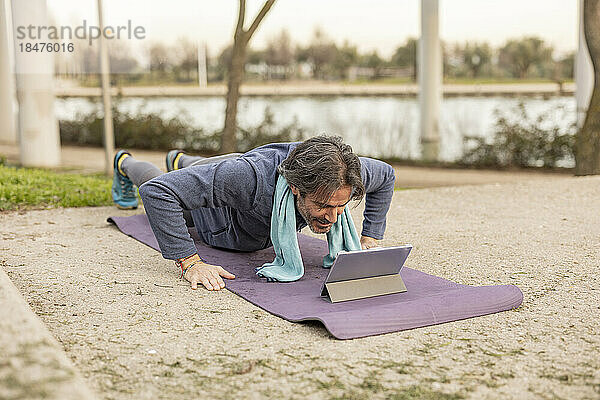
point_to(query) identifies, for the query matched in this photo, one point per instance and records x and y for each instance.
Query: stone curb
(33, 365)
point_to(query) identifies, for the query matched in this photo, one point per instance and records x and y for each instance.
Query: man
(229, 199)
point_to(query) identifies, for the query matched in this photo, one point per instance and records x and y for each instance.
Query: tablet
(372, 271)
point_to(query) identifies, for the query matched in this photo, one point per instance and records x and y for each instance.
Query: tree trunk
(236, 74)
(523, 71)
(241, 39)
(587, 154)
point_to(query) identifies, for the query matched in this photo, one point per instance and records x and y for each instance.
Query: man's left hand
(368, 242)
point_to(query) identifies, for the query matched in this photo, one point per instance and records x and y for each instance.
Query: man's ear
(295, 191)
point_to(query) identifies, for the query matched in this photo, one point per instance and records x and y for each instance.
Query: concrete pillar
(202, 71)
(8, 123)
(109, 135)
(38, 128)
(584, 73)
(430, 79)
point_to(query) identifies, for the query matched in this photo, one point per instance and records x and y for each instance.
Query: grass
(33, 188)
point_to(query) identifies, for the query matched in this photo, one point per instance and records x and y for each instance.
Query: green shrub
(151, 131)
(522, 141)
(268, 132)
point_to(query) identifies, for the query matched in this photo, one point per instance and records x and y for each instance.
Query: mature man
(236, 201)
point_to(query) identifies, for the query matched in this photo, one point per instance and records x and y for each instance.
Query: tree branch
(241, 16)
(264, 10)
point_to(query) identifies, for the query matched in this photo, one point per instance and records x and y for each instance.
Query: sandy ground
(137, 332)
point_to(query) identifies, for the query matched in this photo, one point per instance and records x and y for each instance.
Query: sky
(379, 25)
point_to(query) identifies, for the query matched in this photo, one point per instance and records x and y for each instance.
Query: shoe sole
(126, 208)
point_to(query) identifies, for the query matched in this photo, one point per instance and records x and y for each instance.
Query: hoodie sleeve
(378, 178)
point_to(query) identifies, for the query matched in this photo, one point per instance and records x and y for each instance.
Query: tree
(566, 66)
(587, 154)
(405, 56)
(187, 57)
(373, 61)
(279, 50)
(320, 52)
(122, 64)
(278, 55)
(345, 57)
(476, 56)
(519, 55)
(241, 38)
(223, 61)
(120, 58)
(159, 58)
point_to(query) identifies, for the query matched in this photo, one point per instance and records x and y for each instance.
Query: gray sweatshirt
(231, 202)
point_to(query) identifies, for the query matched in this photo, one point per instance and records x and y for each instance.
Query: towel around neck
(287, 265)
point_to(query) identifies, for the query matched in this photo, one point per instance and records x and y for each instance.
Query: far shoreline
(547, 89)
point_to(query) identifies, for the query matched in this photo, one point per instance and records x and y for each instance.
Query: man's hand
(368, 242)
(206, 274)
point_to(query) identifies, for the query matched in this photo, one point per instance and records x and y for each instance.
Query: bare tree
(241, 38)
(120, 56)
(279, 50)
(587, 154)
(159, 58)
(319, 53)
(187, 55)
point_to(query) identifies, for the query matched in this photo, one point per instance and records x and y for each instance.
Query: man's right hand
(206, 274)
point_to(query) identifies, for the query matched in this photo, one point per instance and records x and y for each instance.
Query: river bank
(326, 89)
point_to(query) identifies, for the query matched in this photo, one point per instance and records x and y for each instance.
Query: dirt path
(137, 332)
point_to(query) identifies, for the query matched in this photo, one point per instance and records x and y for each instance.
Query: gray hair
(321, 165)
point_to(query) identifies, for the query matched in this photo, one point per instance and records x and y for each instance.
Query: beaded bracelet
(184, 270)
(179, 263)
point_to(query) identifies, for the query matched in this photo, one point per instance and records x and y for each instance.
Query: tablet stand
(361, 288)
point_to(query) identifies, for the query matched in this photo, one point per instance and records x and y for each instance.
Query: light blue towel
(287, 265)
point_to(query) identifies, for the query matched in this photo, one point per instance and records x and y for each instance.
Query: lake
(378, 126)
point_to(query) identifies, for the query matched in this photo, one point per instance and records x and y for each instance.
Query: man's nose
(333, 213)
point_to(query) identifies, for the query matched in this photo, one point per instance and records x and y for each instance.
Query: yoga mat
(429, 300)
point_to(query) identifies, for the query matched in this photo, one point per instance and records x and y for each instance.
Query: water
(384, 126)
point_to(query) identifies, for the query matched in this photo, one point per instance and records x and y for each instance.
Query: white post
(202, 73)
(109, 137)
(38, 128)
(8, 131)
(584, 73)
(430, 79)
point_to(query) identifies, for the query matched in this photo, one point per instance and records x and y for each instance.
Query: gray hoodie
(231, 201)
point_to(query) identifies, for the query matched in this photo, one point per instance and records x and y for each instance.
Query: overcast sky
(375, 24)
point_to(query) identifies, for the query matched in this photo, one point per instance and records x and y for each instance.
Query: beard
(312, 221)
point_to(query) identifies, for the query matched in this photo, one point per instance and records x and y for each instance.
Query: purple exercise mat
(429, 300)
